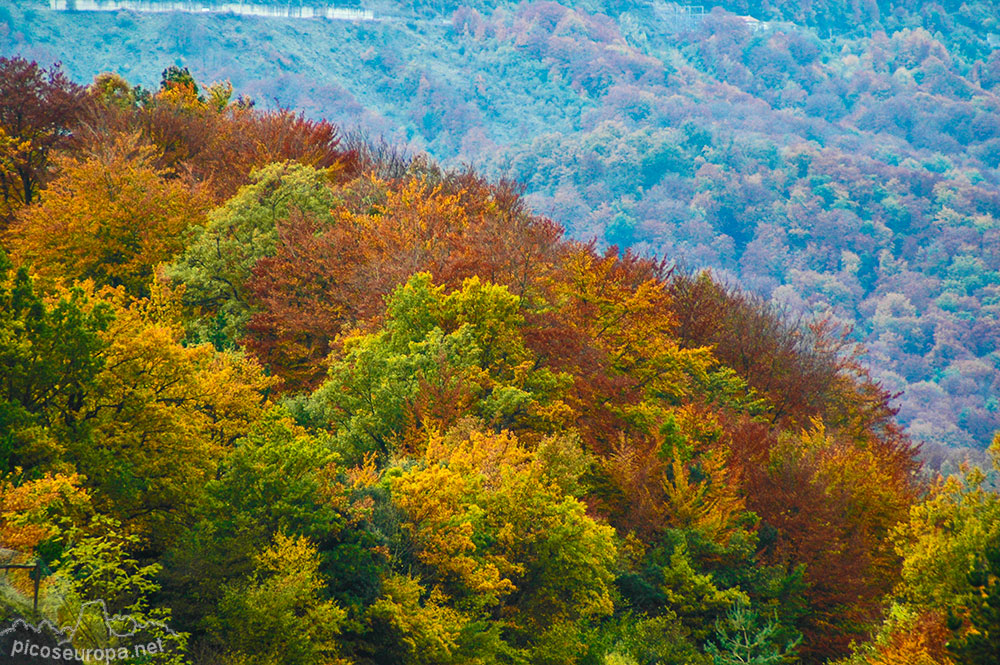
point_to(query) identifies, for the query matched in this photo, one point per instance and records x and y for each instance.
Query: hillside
(841, 161)
(273, 395)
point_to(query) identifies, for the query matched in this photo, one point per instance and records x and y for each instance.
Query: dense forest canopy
(283, 396)
(837, 159)
(276, 391)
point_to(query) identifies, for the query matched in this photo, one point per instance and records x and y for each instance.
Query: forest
(281, 395)
(837, 159)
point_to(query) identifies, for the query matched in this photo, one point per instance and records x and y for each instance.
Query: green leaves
(219, 260)
(744, 639)
(50, 356)
(279, 616)
(439, 356)
(979, 643)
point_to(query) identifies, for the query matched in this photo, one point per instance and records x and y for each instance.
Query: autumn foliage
(328, 410)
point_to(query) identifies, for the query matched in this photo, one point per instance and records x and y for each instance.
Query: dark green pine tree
(747, 639)
(174, 75)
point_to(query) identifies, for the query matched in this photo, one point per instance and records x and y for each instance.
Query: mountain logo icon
(116, 627)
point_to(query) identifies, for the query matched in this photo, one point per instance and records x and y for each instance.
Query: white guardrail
(249, 9)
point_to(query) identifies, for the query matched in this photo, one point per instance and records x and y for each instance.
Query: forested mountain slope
(838, 158)
(289, 398)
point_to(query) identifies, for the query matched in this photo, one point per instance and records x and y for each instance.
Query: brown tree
(39, 110)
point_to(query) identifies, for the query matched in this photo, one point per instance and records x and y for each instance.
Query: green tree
(945, 608)
(51, 354)
(218, 262)
(746, 640)
(278, 478)
(159, 416)
(438, 357)
(97, 571)
(279, 614)
(979, 644)
(945, 537)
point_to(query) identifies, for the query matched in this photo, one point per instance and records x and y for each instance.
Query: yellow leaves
(278, 617)
(15, 153)
(441, 521)
(425, 204)
(486, 513)
(430, 628)
(13, 149)
(111, 217)
(994, 451)
(710, 505)
(183, 96)
(556, 415)
(413, 216)
(480, 454)
(943, 538)
(699, 487)
(162, 413)
(294, 557)
(365, 474)
(33, 511)
(625, 311)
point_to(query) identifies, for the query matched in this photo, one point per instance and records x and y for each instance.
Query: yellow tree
(496, 536)
(110, 217)
(160, 415)
(32, 511)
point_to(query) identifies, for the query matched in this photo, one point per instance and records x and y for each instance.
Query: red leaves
(40, 109)
(829, 504)
(221, 147)
(327, 279)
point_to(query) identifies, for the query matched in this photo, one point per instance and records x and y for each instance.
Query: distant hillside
(340, 11)
(840, 160)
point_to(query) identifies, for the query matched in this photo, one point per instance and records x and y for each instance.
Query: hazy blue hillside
(273, 391)
(840, 160)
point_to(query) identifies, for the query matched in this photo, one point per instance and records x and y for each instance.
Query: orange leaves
(679, 477)
(620, 302)
(441, 521)
(32, 511)
(832, 504)
(607, 322)
(111, 217)
(328, 276)
(215, 142)
(908, 638)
